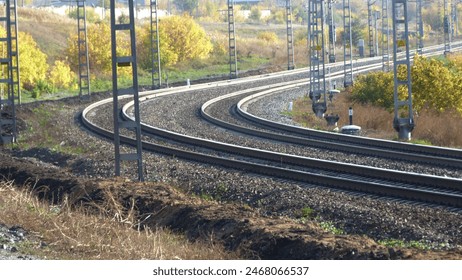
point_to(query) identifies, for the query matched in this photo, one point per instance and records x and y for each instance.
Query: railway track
(308, 137)
(412, 186)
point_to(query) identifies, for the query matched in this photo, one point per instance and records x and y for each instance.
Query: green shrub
(41, 87)
(374, 88)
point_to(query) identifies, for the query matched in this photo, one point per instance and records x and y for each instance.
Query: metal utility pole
(125, 61)
(155, 47)
(331, 24)
(347, 45)
(370, 19)
(9, 80)
(12, 4)
(419, 27)
(385, 37)
(84, 64)
(232, 41)
(290, 37)
(447, 28)
(455, 21)
(376, 24)
(403, 117)
(317, 57)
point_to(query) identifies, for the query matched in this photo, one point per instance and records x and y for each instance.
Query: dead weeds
(440, 129)
(72, 232)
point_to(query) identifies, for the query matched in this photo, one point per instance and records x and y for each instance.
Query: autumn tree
(432, 15)
(435, 86)
(99, 48)
(181, 39)
(61, 75)
(255, 14)
(33, 65)
(208, 9)
(374, 88)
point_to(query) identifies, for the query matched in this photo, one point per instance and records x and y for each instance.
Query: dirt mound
(238, 227)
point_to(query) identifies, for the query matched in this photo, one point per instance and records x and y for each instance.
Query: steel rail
(369, 174)
(321, 143)
(365, 185)
(437, 152)
(440, 154)
(350, 147)
(368, 185)
(427, 196)
(281, 158)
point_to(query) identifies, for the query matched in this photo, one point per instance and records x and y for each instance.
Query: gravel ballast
(380, 219)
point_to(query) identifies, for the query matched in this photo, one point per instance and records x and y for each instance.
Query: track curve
(410, 186)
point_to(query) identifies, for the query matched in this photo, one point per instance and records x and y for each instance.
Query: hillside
(50, 31)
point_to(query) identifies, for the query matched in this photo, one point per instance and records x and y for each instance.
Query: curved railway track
(309, 137)
(412, 186)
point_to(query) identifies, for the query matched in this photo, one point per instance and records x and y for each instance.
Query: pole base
(319, 109)
(404, 133)
(350, 129)
(332, 120)
(315, 96)
(404, 127)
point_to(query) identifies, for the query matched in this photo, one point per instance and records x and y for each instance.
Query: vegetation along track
(328, 173)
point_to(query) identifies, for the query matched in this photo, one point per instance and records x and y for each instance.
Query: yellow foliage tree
(185, 38)
(99, 49)
(61, 75)
(33, 65)
(435, 86)
(181, 39)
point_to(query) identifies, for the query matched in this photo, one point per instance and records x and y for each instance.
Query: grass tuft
(110, 233)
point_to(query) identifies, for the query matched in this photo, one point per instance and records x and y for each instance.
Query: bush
(41, 88)
(181, 39)
(268, 37)
(435, 86)
(374, 88)
(33, 65)
(61, 75)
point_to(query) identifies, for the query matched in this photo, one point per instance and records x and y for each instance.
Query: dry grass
(42, 16)
(440, 129)
(275, 52)
(75, 234)
(261, 48)
(41, 24)
(431, 128)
